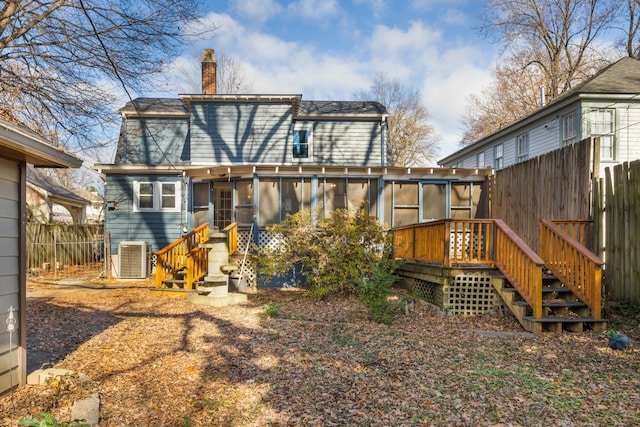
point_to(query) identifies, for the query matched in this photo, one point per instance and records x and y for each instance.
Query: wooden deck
(520, 274)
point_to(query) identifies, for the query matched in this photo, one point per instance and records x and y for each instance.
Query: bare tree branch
(55, 76)
(413, 141)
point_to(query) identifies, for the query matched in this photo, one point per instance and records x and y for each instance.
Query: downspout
(383, 145)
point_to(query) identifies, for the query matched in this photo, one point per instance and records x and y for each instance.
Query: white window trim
(499, 159)
(481, 159)
(612, 134)
(522, 147)
(157, 196)
(569, 138)
(309, 157)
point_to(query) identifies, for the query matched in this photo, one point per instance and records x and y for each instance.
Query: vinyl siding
(158, 228)
(348, 143)
(9, 271)
(154, 141)
(239, 133)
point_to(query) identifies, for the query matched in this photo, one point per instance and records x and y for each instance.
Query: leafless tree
(413, 141)
(514, 92)
(63, 63)
(630, 20)
(555, 36)
(550, 43)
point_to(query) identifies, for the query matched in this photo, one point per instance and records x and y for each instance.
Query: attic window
(301, 140)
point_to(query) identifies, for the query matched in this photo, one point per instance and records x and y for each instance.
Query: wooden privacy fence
(55, 247)
(622, 232)
(555, 185)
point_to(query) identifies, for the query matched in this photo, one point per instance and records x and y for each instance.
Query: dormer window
(301, 140)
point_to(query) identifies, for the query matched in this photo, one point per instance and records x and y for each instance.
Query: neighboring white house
(18, 146)
(607, 107)
(48, 202)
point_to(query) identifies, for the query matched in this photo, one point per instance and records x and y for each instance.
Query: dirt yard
(160, 361)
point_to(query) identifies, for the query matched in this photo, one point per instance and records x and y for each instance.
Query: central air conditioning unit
(133, 259)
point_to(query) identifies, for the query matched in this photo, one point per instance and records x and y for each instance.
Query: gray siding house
(252, 159)
(606, 107)
(18, 146)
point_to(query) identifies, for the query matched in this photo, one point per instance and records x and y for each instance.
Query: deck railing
(578, 268)
(232, 237)
(520, 265)
(184, 254)
(447, 242)
(576, 228)
(489, 242)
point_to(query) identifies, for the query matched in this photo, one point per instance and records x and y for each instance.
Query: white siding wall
(9, 273)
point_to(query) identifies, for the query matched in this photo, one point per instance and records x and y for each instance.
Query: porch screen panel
(461, 200)
(294, 196)
(358, 191)
(269, 203)
(245, 205)
(405, 203)
(335, 195)
(200, 203)
(373, 197)
(434, 201)
(388, 204)
(476, 201)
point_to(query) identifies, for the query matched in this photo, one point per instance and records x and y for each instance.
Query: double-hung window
(156, 196)
(522, 147)
(301, 144)
(498, 156)
(569, 129)
(480, 160)
(602, 126)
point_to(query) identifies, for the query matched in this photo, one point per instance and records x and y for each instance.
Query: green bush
(49, 420)
(350, 252)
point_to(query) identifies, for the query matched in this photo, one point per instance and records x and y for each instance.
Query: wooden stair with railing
(181, 265)
(527, 284)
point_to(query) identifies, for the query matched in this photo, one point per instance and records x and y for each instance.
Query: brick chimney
(209, 70)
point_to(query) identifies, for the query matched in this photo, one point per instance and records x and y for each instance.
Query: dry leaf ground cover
(160, 361)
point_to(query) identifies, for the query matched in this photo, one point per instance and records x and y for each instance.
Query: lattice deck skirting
(468, 293)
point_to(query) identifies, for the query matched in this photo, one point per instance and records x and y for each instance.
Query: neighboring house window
(155, 196)
(301, 141)
(602, 127)
(481, 163)
(498, 156)
(569, 129)
(522, 147)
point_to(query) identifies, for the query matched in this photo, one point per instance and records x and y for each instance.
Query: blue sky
(330, 49)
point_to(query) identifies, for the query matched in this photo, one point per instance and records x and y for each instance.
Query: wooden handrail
(576, 228)
(232, 237)
(447, 241)
(520, 265)
(577, 267)
(186, 254)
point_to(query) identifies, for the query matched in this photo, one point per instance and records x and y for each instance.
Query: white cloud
(452, 78)
(315, 9)
(258, 10)
(402, 54)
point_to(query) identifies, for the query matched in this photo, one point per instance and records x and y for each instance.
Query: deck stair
(562, 310)
(182, 266)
